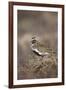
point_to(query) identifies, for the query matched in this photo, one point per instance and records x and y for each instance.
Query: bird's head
(34, 40)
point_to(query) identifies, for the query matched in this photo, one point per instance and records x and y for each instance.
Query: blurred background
(42, 25)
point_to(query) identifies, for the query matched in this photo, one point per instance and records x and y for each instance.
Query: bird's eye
(33, 41)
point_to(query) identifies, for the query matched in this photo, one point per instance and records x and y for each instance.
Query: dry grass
(39, 67)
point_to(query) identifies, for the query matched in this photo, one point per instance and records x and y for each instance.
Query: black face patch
(33, 41)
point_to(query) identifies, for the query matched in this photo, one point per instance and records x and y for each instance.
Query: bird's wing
(37, 51)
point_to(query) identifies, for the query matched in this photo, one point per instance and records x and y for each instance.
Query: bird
(35, 49)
